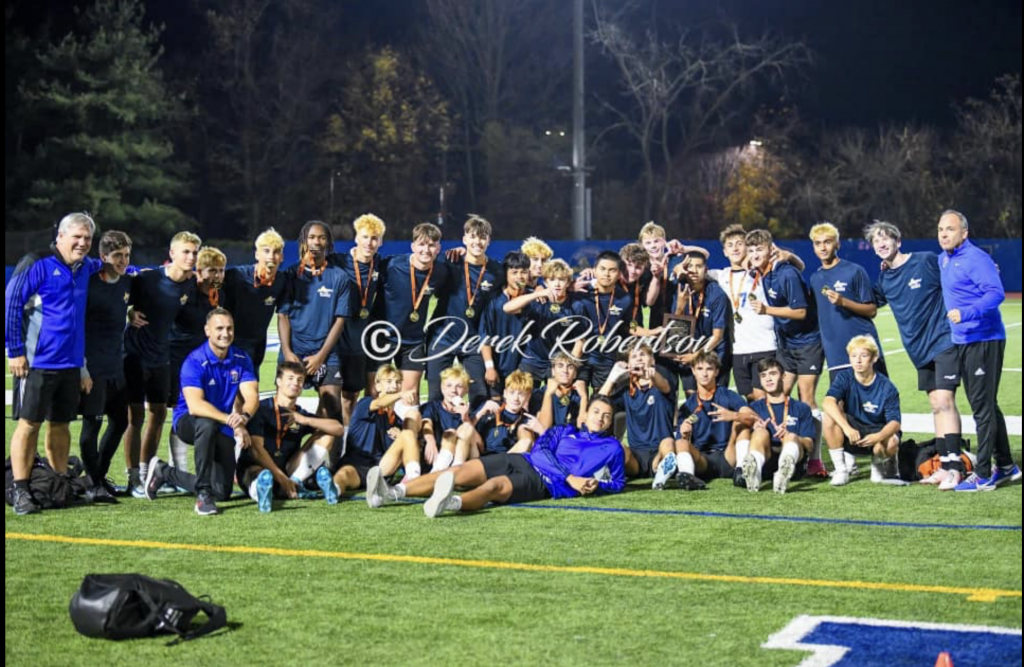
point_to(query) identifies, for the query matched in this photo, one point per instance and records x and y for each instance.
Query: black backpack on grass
(127, 606)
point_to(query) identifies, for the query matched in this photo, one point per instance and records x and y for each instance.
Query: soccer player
(156, 299)
(289, 445)
(869, 417)
(649, 410)
(910, 283)
(219, 396)
(638, 281)
(498, 327)
(104, 390)
(695, 296)
(565, 463)
(550, 310)
(362, 265)
(507, 427)
(254, 292)
(608, 307)
(661, 252)
(188, 330)
(539, 253)
(311, 320)
(845, 299)
(753, 335)
(781, 437)
(45, 338)
(559, 401)
(449, 418)
(707, 430)
(972, 292)
(382, 433)
(409, 282)
(475, 280)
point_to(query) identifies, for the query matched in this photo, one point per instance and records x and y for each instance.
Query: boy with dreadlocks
(311, 320)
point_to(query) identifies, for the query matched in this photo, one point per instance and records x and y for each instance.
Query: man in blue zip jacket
(563, 463)
(972, 292)
(45, 338)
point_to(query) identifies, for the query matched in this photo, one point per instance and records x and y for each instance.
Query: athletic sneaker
(302, 492)
(780, 481)
(444, 486)
(690, 482)
(326, 484)
(205, 505)
(376, 488)
(1003, 475)
(100, 494)
(154, 478)
(265, 491)
(752, 474)
(665, 470)
(840, 477)
(737, 477)
(950, 481)
(975, 483)
(816, 468)
(936, 477)
(24, 503)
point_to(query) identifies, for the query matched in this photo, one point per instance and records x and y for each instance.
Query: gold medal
(414, 316)
(693, 418)
(364, 313)
(824, 290)
(565, 400)
(470, 312)
(600, 340)
(736, 316)
(555, 308)
(633, 327)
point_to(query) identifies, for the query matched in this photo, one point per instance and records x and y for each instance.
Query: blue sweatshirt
(564, 451)
(46, 303)
(970, 283)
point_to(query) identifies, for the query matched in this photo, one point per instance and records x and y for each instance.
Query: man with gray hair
(45, 338)
(910, 283)
(972, 292)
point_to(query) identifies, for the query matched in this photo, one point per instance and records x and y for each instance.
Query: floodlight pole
(579, 196)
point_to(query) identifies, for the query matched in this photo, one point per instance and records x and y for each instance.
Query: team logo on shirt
(374, 275)
(183, 299)
(212, 382)
(650, 400)
(429, 290)
(915, 283)
(772, 293)
(790, 421)
(126, 297)
(839, 286)
(56, 272)
(234, 377)
(325, 292)
(614, 310)
(486, 286)
(269, 301)
(870, 408)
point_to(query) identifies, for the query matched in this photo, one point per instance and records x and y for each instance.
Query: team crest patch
(126, 297)
(772, 293)
(269, 301)
(486, 285)
(325, 292)
(234, 377)
(614, 310)
(843, 641)
(915, 283)
(183, 299)
(870, 408)
(839, 286)
(650, 400)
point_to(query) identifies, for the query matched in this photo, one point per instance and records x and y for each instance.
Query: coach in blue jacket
(45, 337)
(972, 292)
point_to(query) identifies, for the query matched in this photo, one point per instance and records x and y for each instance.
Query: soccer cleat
(665, 470)
(974, 483)
(950, 481)
(376, 488)
(205, 506)
(690, 482)
(24, 503)
(100, 494)
(154, 478)
(877, 470)
(816, 468)
(326, 484)
(751, 474)
(936, 477)
(265, 491)
(840, 477)
(737, 478)
(444, 486)
(1003, 475)
(780, 480)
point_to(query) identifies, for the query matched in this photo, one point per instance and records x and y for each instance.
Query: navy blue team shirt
(914, 292)
(837, 324)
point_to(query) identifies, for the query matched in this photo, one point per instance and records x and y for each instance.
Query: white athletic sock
(412, 470)
(253, 493)
(759, 457)
(309, 461)
(684, 462)
(398, 491)
(443, 461)
(742, 449)
(790, 449)
(454, 504)
(849, 459)
(144, 471)
(838, 457)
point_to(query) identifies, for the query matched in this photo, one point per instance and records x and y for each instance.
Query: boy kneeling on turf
(862, 413)
(297, 443)
(506, 427)
(706, 433)
(451, 417)
(382, 433)
(559, 401)
(782, 436)
(564, 463)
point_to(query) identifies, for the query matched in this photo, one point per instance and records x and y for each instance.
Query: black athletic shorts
(361, 462)
(402, 361)
(744, 371)
(718, 466)
(47, 395)
(864, 430)
(104, 392)
(942, 372)
(806, 360)
(152, 384)
(527, 484)
(353, 373)
(645, 457)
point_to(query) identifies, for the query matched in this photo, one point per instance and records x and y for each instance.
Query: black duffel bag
(126, 606)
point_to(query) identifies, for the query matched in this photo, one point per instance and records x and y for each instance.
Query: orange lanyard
(363, 294)
(737, 295)
(214, 297)
(261, 279)
(636, 299)
(470, 298)
(279, 436)
(417, 298)
(597, 306)
(498, 423)
(390, 412)
(689, 300)
(309, 264)
(700, 402)
(785, 412)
